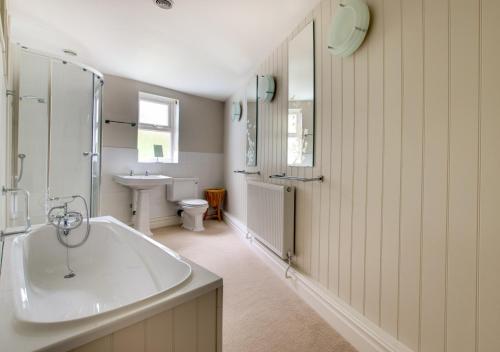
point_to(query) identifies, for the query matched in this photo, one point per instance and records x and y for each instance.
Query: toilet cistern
(142, 184)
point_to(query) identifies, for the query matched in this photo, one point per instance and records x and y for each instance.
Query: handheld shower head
(18, 178)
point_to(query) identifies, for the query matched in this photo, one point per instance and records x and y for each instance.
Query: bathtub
(116, 267)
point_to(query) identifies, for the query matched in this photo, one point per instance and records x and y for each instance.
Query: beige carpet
(260, 313)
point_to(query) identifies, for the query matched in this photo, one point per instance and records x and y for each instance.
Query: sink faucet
(131, 173)
(147, 173)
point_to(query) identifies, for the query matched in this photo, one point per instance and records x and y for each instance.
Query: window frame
(298, 133)
(172, 157)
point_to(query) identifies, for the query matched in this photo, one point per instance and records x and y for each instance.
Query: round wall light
(266, 88)
(349, 27)
(236, 111)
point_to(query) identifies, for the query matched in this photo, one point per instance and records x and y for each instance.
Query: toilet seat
(192, 203)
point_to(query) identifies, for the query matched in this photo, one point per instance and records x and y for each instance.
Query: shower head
(21, 156)
(164, 4)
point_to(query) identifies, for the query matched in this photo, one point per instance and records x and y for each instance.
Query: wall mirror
(301, 98)
(252, 121)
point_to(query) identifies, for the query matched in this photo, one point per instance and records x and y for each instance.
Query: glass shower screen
(58, 131)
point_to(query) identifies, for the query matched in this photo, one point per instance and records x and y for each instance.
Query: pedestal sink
(142, 184)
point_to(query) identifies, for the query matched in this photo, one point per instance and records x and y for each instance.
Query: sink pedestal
(140, 185)
(141, 222)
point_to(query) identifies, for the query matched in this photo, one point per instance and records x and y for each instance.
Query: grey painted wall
(201, 119)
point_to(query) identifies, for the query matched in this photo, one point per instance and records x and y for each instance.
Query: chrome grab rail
(283, 176)
(27, 227)
(32, 97)
(245, 172)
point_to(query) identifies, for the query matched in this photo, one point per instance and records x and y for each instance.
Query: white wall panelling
(189, 327)
(4, 148)
(404, 229)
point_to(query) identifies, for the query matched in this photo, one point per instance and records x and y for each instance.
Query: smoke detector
(164, 4)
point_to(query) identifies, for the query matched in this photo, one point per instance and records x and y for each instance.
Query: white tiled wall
(116, 199)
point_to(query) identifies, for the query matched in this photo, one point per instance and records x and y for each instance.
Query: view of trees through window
(157, 129)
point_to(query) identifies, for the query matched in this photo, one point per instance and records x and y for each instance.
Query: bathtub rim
(18, 281)
(18, 336)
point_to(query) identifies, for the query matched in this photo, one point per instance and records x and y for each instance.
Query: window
(158, 137)
(296, 142)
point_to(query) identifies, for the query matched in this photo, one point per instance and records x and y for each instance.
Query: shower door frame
(96, 132)
(95, 166)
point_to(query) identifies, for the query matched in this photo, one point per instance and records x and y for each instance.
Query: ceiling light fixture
(70, 52)
(164, 4)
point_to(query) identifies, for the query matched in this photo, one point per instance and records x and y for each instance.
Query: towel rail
(132, 124)
(283, 176)
(245, 172)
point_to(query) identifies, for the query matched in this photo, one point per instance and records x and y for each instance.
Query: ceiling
(203, 47)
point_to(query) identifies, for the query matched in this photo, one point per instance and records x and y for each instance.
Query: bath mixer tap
(65, 220)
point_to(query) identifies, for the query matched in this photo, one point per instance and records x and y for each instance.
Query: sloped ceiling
(203, 47)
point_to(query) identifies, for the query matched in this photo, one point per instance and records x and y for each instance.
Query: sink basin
(142, 182)
(140, 185)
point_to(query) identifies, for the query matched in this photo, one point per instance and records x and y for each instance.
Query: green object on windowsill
(158, 150)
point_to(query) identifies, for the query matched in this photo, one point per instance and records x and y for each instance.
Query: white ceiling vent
(164, 4)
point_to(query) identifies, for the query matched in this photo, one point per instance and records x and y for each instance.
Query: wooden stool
(215, 198)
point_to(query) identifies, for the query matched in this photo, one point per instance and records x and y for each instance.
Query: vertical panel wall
(405, 227)
(488, 242)
(4, 140)
(193, 326)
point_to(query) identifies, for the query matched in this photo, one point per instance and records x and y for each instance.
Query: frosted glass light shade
(266, 88)
(236, 111)
(349, 26)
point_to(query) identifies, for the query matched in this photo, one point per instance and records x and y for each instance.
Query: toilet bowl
(184, 191)
(193, 211)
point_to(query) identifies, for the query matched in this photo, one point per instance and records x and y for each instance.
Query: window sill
(158, 162)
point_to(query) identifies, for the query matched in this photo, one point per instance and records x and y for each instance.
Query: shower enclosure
(56, 133)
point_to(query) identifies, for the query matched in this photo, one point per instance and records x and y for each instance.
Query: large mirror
(252, 122)
(301, 98)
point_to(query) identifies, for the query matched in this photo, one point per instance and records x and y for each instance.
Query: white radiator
(270, 218)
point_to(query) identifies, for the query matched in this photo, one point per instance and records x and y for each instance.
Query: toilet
(184, 191)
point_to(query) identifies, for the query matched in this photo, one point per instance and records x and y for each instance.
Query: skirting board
(162, 221)
(363, 334)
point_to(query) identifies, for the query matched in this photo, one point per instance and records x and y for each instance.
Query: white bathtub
(116, 267)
